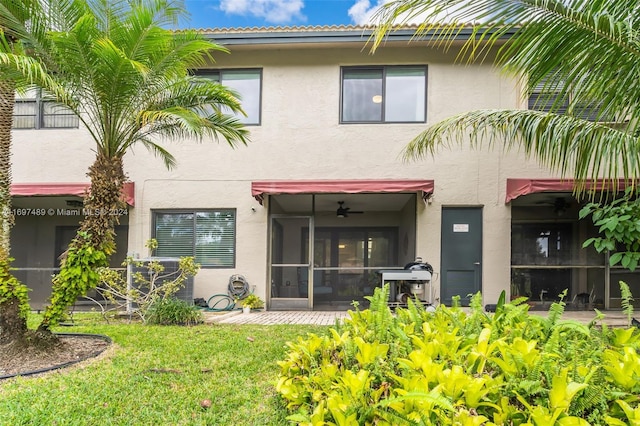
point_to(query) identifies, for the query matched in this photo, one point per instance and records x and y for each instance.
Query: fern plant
(626, 301)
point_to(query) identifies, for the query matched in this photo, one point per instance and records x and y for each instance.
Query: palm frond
(127, 76)
(168, 159)
(533, 39)
(27, 71)
(563, 143)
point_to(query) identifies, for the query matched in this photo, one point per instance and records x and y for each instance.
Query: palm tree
(127, 77)
(16, 71)
(587, 51)
(13, 295)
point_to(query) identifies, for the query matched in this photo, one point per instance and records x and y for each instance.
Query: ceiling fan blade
(345, 211)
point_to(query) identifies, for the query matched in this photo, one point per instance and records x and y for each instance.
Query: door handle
(476, 263)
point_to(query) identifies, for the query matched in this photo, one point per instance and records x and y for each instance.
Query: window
(35, 110)
(209, 235)
(546, 97)
(247, 83)
(394, 94)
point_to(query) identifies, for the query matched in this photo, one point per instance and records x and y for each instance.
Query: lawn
(158, 375)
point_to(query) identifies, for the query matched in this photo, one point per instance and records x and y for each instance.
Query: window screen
(209, 235)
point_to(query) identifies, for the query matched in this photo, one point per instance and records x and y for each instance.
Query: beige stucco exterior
(300, 137)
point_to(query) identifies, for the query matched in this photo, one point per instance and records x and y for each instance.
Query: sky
(268, 13)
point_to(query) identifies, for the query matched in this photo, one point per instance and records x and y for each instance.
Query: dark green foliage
(451, 367)
(79, 274)
(171, 311)
(618, 222)
(14, 305)
(11, 288)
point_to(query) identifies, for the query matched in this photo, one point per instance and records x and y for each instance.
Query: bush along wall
(450, 367)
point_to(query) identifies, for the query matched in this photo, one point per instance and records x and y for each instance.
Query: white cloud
(274, 11)
(363, 11)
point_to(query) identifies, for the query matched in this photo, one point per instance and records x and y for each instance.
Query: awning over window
(62, 189)
(519, 187)
(261, 188)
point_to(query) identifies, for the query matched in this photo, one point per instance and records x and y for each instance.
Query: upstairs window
(388, 94)
(546, 97)
(247, 83)
(36, 110)
(208, 235)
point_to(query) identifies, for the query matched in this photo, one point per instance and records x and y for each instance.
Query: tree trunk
(13, 295)
(95, 241)
(7, 101)
(12, 325)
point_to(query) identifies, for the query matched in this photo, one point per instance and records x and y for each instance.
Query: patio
(612, 318)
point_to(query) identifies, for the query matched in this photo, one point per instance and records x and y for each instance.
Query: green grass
(157, 375)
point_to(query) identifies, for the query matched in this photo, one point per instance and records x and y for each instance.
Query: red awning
(519, 187)
(62, 189)
(260, 188)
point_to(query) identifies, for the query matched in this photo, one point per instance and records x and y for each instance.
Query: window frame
(194, 212)
(202, 72)
(40, 100)
(547, 94)
(384, 69)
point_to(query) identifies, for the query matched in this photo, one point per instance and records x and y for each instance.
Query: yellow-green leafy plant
(451, 367)
(252, 301)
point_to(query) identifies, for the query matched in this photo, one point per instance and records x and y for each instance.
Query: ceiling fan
(559, 204)
(345, 211)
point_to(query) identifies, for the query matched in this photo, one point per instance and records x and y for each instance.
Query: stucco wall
(300, 137)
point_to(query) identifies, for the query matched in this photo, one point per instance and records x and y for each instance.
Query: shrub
(252, 301)
(449, 367)
(171, 311)
(148, 287)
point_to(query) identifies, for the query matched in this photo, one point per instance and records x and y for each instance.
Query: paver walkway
(612, 318)
(279, 317)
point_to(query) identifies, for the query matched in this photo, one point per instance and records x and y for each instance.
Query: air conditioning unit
(170, 272)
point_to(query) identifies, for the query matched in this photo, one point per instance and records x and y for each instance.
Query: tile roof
(279, 35)
(298, 28)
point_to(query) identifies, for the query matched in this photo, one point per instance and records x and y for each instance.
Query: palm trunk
(7, 101)
(13, 295)
(95, 242)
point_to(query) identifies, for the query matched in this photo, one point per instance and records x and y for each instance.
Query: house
(321, 200)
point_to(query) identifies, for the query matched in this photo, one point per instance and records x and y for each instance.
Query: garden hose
(238, 287)
(220, 303)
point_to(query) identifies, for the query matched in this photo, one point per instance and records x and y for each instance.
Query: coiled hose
(237, 289)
